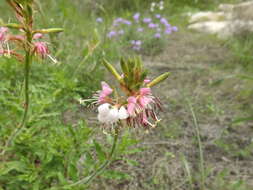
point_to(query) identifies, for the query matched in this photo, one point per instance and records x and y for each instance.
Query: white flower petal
(113, 115)
(123, 114)
(104, 109)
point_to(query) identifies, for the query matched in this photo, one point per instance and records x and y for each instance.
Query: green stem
(28, 62)
(88, 179)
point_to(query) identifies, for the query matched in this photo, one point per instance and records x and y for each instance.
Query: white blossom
(113, 115)
(103, 109)
(123, 114)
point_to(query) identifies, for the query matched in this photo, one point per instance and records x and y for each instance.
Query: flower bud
(158, 79)
(50, 30)
(112, 70)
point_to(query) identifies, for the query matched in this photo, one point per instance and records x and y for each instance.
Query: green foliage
(241, 47)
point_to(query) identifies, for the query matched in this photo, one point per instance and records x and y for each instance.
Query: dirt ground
(203, 83)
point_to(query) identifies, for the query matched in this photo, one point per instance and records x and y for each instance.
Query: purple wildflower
(157, 35)
(111, 34)
(99, 20)
(136, 17)
(127, 22)
(158, 16)
(168, 25)
(117, 21)
(152, 25)
(164, 21)
(168, 30)
(138, 42)
(147, 20)
(174, 28)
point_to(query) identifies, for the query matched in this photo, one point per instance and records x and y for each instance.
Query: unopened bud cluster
(28, 39)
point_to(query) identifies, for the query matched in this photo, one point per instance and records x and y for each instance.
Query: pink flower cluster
(39, 48)
(135, 109)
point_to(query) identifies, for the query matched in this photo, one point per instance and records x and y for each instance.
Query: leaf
(243, 119)
(246, 77)
(101, 154)
(124, 67)
(131, 162)
(6, 167)
(111, 174)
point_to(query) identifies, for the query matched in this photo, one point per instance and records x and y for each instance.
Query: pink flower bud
(106, 91)
(147, 81)
(37, 36)
(145, 91)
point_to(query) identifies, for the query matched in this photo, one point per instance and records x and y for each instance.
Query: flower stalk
(27, 43)
(98, 171)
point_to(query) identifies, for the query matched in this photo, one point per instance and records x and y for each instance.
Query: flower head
(37, 36)
(147, 20)
(164, 21)
(99, 20)
(137, 106)
(136, 17)
(158, 16)
(112, 34)
(174, 29)
(157, 35)
(127, 22)
(152, 25)
(41, 49)
(168, 30)
(109, 114)
(136, 44)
